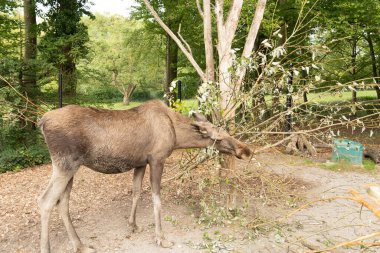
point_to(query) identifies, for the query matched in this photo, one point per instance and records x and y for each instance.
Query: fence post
(179, 90)
(289, 101)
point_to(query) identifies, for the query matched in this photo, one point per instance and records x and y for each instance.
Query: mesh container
(351, 151)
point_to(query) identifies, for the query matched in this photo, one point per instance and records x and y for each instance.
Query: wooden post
(179, 90)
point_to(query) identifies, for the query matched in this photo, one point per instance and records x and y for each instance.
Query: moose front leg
(138, 176)
(156, 169)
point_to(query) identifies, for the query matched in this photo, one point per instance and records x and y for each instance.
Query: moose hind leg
(63, 208)
(56, 187)
(156, 169)
(138, 176)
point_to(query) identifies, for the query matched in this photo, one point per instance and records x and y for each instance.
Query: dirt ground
(100, 205)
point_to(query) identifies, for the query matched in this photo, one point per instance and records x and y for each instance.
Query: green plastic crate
(351, 151)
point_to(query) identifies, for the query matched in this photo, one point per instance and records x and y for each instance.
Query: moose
(116, 141)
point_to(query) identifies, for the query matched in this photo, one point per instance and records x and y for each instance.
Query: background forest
(328, 49)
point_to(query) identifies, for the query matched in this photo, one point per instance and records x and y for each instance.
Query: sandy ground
(100, 205)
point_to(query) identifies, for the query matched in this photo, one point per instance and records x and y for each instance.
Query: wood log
(373, 154)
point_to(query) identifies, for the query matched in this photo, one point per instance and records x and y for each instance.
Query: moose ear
(199, 117)
(200, 127)
(207, 130)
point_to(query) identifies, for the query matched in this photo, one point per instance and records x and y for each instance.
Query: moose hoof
(164, 243)
(85, 249)
(133, 229)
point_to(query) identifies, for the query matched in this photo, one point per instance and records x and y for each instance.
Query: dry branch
(357, 241)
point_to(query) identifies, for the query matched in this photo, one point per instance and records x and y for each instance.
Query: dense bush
(142, 95)
(16, 159)
(21, 148)
(105, 93)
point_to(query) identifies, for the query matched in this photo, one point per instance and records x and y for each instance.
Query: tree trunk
(207, 35)
(353, 65)
(21, 49)
(374, 67)
(115, 73)
(171, 58)
(126, 99)
(69, 80)
(128, 93)
(29, 82)
(276, 92)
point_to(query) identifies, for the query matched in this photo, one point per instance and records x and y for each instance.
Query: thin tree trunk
(276, 90)
(69, 80)
(171, 62)
(29, 82)
(115, 74)
(353, 65)
(374, 67)
(21, 48)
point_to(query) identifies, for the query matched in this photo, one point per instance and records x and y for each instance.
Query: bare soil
(100, 206)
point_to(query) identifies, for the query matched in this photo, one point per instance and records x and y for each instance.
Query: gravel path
(100, 205)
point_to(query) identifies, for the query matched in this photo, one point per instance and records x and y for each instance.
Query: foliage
(346, 25)
(122, 53)
(10, 34)
(9, 27)
(21, 148)
(64, 36)
(16, 159)
(183, 18)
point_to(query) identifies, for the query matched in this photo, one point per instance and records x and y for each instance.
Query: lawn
(192, 103)
(344, 96)
(325, 97)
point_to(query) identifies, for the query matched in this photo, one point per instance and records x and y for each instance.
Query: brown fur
(115, 141)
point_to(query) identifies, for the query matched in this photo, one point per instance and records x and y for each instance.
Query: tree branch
(250, 42)
(219, 17)
(183, 40)
(233, 20)
(175, 38)
(200, 9)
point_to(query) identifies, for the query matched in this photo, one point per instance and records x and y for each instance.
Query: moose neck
(187, 136)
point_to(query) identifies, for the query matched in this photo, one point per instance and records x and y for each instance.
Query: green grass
(112, 105)
(343, 165)
(190, 103)
(325, 97)
(369, 164)
(344, 96)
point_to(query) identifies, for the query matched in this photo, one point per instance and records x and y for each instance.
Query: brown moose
(115, 141)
